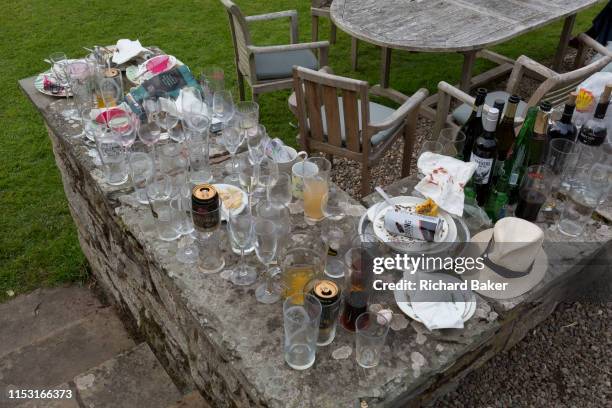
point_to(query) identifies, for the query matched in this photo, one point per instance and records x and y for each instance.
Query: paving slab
(58, 358)
(132, 379)
(41, 313)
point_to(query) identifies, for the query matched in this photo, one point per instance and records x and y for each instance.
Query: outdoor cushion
(462, 113)
(378, 113)
(279, 65)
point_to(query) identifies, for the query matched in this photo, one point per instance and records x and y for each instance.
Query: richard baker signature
(438, 285)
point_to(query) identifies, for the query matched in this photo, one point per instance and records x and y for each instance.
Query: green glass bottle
(498, 199)
(516, 164)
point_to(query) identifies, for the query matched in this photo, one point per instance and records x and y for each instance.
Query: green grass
(38, 241)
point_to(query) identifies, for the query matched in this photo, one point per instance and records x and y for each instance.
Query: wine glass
(240, 226)
(334, 203)
(232, 139)
(149, 133)
(256, 143)
(267, 171)
(223, 106)
(247, 115)
(280, 193)
(453, 141)
(248, 175)
(265, 248)
(59, 63)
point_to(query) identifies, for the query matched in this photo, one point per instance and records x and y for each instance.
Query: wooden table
(463, 26)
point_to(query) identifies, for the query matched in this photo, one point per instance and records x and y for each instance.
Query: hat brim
(514, 286)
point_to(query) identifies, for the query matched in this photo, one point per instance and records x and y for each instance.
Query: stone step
(191, 400)
(28, 318)
(132, 379)
(58, 357)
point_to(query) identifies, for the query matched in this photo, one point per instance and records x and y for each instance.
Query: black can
(328, 293)
(205, 204)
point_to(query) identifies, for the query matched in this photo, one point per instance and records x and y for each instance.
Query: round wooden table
(464, 26)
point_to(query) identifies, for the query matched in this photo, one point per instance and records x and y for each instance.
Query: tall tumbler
(141, 171)
(199, 167)
(166, 216)
(372, 329)
(316, 187)
(113, 158)
(301, 316)
(584, 196)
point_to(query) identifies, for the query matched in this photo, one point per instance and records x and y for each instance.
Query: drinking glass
(200, 171)
(301, 318)
(371, 332)
(192, 102)
(316, 186)
(173, 162)
(79, 74)
(533, 192)
(206, 224)
(113, 158)
(123, 125)
(267, 175)
(232, 139)
(141, 171)
(280, 193)
(248, 175)
(302, 261)
(247, 117)
(223, 106)
(59, 63)
(256, 143)
(91, 127)
(334, 238)
(452, 141)
(334, 203)
(357, 284)
(160, 195)
(149, 133)
(266, 238)
(281, 217)
(431, 146)
(109, 87)
(214, 77)
(560, 157)
(240, 226)
(584, 196)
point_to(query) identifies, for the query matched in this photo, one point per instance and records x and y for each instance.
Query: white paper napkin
(438, 315)
(445, 178)
(126, 50)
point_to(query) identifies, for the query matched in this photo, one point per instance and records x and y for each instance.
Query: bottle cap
(491, 119)
(545, 106)
(514, 99)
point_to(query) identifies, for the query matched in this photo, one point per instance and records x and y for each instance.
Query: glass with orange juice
(316, 186)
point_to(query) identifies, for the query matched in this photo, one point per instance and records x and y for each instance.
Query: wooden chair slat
(313, 109)
(351, 120)
(332, 115)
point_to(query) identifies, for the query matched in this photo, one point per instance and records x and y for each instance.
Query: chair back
(321, 4)
(241, 36)
(317, 101)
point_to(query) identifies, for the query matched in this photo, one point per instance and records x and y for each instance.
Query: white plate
(410, 245)
(467, 306)
(224, 209)
(131, 72)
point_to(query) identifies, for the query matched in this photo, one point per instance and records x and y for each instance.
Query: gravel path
(564, 362)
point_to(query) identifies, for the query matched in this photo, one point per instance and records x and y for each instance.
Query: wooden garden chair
(320, 8)
(336, 117)
(268, 68)
(554, 87)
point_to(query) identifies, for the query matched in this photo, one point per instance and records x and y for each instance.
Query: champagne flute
(265, 249)
(240, 226)
(257, 144)
(232, 139)
(223, 106)
(149, 134)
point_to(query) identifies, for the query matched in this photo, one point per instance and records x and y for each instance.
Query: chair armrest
(525, 64)
(289, 47)
(413, 103)
(591, 43)
(445, 87)
(291, 14)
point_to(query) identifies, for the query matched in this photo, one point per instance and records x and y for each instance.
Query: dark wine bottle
(473, 127)
(484, 155)
(564, 128)
(539, 141)
(505, 135)
(499, 105)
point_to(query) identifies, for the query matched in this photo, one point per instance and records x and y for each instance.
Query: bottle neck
(568, 112)
(510, 113)
(600, 111)
(540, 125)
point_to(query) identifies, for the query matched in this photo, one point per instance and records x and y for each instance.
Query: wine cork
(571, 99)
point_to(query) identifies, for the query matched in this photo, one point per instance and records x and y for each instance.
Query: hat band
(502, 270)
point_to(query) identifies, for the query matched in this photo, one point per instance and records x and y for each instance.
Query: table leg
(354, 52)
(469, 57)
(563, 41)
(385, 66)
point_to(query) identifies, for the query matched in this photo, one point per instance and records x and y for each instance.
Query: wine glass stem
(233, 163)
(242, 268)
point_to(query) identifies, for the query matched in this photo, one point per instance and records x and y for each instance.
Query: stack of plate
(464, 300)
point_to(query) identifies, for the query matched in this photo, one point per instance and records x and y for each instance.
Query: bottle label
(591, 138)
(483, 171)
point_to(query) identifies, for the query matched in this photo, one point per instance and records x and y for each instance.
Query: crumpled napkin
(445, 178)
(192, 100)
(126, 50)
(438, 315)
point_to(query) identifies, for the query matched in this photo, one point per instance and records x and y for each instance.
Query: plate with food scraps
(47, 83)
(232, 198)
(150, 68)
(405, 244)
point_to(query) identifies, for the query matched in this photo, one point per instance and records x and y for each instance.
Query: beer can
(412, 225)
(205, 204)
(328, 293)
